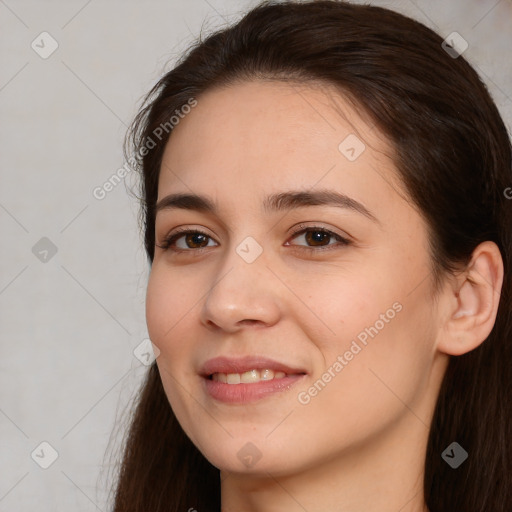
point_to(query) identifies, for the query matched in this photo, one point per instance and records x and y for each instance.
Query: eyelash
(167, 242)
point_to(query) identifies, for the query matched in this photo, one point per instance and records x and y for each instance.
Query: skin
(359, 444)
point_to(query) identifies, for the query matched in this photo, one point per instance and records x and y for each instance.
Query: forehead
(271, 134)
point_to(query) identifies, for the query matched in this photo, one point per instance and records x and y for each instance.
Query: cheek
(167, 302)
(362, 385)
(156, 306)
(374, 323)
(344, 307)
(166, 319)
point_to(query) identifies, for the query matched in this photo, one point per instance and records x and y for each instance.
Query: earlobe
(474, 302)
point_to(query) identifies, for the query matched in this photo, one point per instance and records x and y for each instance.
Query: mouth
(247, 369)
(247, 379)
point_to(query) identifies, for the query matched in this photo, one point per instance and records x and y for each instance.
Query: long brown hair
(453, 154)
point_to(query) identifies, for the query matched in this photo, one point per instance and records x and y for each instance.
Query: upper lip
(245, 364)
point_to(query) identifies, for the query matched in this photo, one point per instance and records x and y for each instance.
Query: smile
(248, 377)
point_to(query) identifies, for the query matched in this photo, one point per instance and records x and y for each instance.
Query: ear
(472, 301)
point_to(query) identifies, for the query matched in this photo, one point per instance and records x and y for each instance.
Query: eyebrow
(283, 201)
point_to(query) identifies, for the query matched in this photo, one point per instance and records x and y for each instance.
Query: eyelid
(298, 228)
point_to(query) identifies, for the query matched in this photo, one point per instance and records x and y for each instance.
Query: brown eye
(319, 237)
(186, 240)
(195, 240)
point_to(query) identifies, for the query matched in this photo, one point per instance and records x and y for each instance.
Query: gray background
(70, 321)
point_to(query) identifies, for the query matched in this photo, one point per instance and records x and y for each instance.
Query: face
(334, 289)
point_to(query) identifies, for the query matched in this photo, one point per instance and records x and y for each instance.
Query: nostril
(248, 322)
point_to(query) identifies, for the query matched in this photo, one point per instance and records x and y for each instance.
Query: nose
(242, 295)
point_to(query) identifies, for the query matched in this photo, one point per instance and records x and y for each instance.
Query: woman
(326, 219)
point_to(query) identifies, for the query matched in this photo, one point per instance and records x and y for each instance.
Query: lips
(226, 381)
(240, 365)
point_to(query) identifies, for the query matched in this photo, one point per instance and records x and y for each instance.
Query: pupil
(196, 239)
(320, 236)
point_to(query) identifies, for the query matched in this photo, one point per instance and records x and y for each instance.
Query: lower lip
(246, 393)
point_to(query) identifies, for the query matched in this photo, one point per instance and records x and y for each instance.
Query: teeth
(221, 377)
(247, 377)
(267, 374)
(233, 378)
